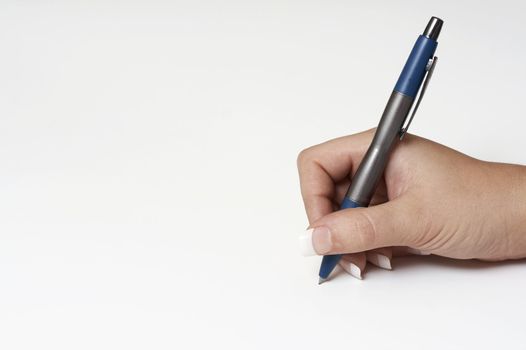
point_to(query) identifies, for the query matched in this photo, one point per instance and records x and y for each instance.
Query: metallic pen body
(391, 129)
(374, 162)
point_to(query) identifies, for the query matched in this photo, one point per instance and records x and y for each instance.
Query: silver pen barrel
(390, 128)
(373, 164)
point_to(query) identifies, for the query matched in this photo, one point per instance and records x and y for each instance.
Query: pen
(419, 65)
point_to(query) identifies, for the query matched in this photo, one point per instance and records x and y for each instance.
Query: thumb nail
(315, 241)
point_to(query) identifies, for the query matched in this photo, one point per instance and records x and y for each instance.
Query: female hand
(432, 199)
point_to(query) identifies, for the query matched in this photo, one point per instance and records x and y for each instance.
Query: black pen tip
(321, 280)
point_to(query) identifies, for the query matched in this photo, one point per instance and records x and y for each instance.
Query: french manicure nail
(380, 260)
(305, 241)
(383, 261)
(315, 241)
(416, 251)
(413, 251)
(351, 269)
(355, 271)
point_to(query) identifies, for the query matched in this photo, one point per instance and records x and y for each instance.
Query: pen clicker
(392, 127)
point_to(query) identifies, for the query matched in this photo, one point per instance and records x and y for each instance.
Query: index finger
(322, 166)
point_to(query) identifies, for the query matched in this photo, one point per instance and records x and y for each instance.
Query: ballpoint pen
(414, 78)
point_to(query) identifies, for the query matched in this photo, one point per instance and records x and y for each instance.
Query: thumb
(359, 229)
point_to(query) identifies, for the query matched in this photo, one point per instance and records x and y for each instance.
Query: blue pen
(419, 65)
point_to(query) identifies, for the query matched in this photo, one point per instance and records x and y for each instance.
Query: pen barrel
(398, 107)
(371, 168)
(415, 67)
(329, 262)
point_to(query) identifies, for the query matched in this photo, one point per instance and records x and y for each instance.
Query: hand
(432, 199)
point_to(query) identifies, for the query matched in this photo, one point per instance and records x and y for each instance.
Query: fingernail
(355, 271)
(315, 241)
(416, 251)
(379, 260)
(352, 269)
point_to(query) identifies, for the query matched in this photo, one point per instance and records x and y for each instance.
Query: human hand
(431, 200)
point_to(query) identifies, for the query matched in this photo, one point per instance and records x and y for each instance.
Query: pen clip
(429, 68)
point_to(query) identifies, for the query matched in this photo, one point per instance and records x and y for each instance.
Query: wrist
(514, 191)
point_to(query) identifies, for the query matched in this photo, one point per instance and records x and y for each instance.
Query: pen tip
(321, 280)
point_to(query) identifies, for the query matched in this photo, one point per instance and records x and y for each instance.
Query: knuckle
(304, 156)
(366, 228)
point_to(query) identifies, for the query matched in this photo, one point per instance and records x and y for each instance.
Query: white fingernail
(379, 260)
(384, 262)
(305, 241)
(351, 269)
(416, 251)
(355, 271)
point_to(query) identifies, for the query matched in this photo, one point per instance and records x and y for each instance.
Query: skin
(431, 199)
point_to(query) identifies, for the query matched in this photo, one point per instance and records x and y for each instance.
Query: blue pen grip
(415, 67)
(329, 262)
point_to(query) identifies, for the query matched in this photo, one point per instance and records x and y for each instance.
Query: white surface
(149, 195)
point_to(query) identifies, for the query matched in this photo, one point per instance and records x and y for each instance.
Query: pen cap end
(433, 28)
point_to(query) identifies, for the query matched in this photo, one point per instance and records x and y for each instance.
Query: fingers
(380, 257)
(322, 166)
(360, 229)
(354, 264)
(405, 251)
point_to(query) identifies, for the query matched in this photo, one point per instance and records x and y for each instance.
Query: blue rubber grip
(415, 67)
(329, 262)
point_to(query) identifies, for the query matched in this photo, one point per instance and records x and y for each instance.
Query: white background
(148, 188)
